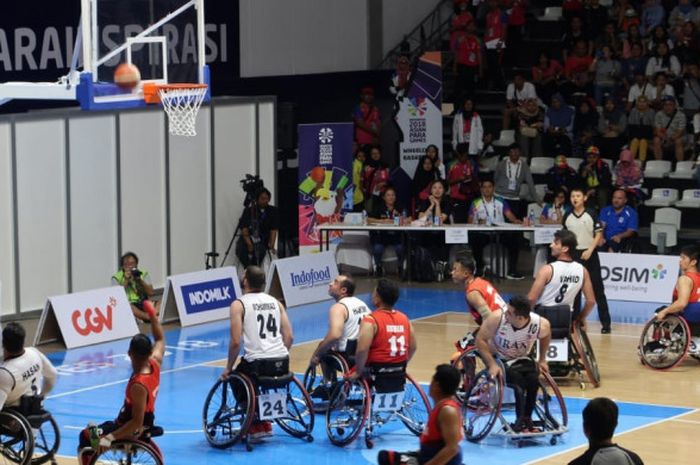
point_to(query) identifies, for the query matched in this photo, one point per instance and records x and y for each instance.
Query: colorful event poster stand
(85, 318)
(200, 297)
(419, 115)
(325, 180)
(303, 279)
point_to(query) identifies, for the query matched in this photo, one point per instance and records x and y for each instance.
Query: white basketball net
(182, 106)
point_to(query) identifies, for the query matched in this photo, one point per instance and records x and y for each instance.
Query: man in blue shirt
(620, 221)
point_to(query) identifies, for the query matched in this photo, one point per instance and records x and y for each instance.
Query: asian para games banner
(419, 115)
(325, 180)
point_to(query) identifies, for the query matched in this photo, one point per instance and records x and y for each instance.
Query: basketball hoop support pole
(201, 57)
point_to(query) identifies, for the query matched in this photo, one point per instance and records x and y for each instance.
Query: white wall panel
(7, 264)
(234, 156)
(266, 141)
(190, 197)
(302, 37)
(142, 163)
(93, 200)
(41, 206)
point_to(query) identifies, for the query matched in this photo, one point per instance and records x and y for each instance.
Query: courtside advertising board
(303, 279)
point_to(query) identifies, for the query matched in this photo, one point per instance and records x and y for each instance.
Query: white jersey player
(558, 283)
(24, 371)
(344, 318)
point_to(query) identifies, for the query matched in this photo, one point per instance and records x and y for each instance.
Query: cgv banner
(85, 318)
(201, 296)
(303, 279)
(639, 278)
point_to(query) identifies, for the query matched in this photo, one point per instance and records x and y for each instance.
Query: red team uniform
(390, 343)
(691, 312)
(431, 440)
(489, 293)
(151, 382)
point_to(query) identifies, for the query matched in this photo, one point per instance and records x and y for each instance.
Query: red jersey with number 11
(390, 343)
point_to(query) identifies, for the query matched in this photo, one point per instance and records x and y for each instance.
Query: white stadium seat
(657, 169)
(662, 197)
(574, 162)
(667, 221)
(540, 165)
(505, 138)
(684, 170)
(690, 199)
(551, 13)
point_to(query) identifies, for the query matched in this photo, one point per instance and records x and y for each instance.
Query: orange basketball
(127, 76)
(318, 174)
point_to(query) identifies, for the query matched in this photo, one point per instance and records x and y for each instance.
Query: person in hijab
(561, 176)
(612, 126)
(467, 128)
(425, 174)
(628, 176)
(375, 177)
(401, 77)
(558, 126)
(433, 152)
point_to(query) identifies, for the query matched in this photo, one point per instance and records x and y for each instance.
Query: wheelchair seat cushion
(273, 382)
(35, 421)
(388, 377)
(559, 317)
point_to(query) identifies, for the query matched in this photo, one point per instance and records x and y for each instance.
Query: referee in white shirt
(588, 233)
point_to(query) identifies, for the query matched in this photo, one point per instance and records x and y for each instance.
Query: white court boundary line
(653, 423)
(207, 364)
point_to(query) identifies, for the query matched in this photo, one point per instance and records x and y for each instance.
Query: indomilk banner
(420, 112)
(325, 180)
(638, 277)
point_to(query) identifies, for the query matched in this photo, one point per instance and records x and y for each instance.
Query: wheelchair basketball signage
(272, 405)
(200, 297)
(639, 277)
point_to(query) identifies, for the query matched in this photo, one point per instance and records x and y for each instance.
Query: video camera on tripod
(252, 185)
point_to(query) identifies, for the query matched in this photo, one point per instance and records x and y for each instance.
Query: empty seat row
(665, 197)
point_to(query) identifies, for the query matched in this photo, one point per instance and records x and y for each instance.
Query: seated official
(620, 222)
(259, 227)
(24, 371)
(686, 295)
(510, 335)
(439, 442)
(437, 209)
(136, 283)
(493, 210)
(389, 212)
(553, 213)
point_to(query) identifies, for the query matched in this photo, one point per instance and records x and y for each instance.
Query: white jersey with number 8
(565, 284)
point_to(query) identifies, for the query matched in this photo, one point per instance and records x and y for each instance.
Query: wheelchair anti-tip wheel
(319, 389)
(227, 418)
(416, 407)
(348, 410)
(128, 453)
(664, 344)
(482, 406)
(16, 439)
(299, 421)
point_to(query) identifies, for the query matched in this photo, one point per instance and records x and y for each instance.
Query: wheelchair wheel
(299, 421)
(482, 406)
(128, 453)
(586, 355)
(318, 390)
(16, 439)
(550, 407)
(469, 364)
(664, 344)
(348, 410)
(416, 407)
(47, 439)
(226, 419)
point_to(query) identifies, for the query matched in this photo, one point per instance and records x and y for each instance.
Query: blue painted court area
(92, 381)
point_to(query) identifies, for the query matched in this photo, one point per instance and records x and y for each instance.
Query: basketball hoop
(181, 103)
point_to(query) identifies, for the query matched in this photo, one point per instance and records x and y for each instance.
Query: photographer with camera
(259, 226)
(136, 283)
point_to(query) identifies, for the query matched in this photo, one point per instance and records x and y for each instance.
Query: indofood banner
(302, 280)
(325, 180)
(639, 278)
(419, 115)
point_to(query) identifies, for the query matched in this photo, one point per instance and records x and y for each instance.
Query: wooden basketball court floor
(660, 411)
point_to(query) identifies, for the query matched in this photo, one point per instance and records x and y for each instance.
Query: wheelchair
(385, 393)
(570, 349)
(28, 433)
(318, 385)
(664, 344)
(484, 402)
(233, 404)
(138, 450)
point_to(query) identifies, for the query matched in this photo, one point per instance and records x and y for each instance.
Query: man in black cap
(669, 129)
(137, 413)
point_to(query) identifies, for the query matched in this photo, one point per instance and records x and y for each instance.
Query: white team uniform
(565, 284)
(262, 322)
(512, 344)
(24, 375)
(357, 309)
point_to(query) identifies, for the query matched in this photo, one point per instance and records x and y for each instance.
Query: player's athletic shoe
(260, 430)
